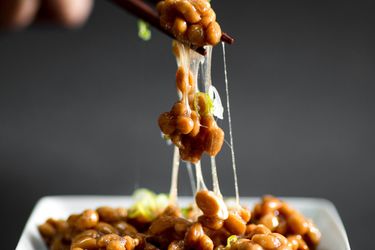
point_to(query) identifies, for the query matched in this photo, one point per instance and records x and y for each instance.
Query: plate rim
(329, 205)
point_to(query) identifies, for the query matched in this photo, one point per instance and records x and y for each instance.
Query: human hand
(17, 14)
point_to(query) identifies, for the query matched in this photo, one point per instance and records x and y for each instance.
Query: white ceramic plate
(323, 213)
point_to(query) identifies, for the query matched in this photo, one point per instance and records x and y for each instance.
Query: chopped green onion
(186, 211)
(204, 108)
(161, 202)
(231, 239)
(218, 108)
(144, 31)
(140, 211)
(142, 194)
(148, 205)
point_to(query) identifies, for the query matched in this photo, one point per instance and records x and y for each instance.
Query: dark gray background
(78, 109)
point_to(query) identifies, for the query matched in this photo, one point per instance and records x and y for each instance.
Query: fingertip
(18, 14)
(71, 13)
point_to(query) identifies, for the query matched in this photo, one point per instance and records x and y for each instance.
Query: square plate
(323, 213)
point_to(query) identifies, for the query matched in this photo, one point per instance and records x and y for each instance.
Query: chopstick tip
(227, 38)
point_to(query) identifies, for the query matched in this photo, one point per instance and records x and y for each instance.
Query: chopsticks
(145, 12)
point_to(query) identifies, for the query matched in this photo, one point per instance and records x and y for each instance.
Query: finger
(17, 14)
(70, 13)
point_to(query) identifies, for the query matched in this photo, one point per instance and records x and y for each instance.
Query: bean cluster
(190, 124)
(190, 21)
(259, 237)
(218, 221)
(111, 229)
(280, 218)
(104, 228)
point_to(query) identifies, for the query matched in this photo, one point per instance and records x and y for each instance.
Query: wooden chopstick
(145, 12)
